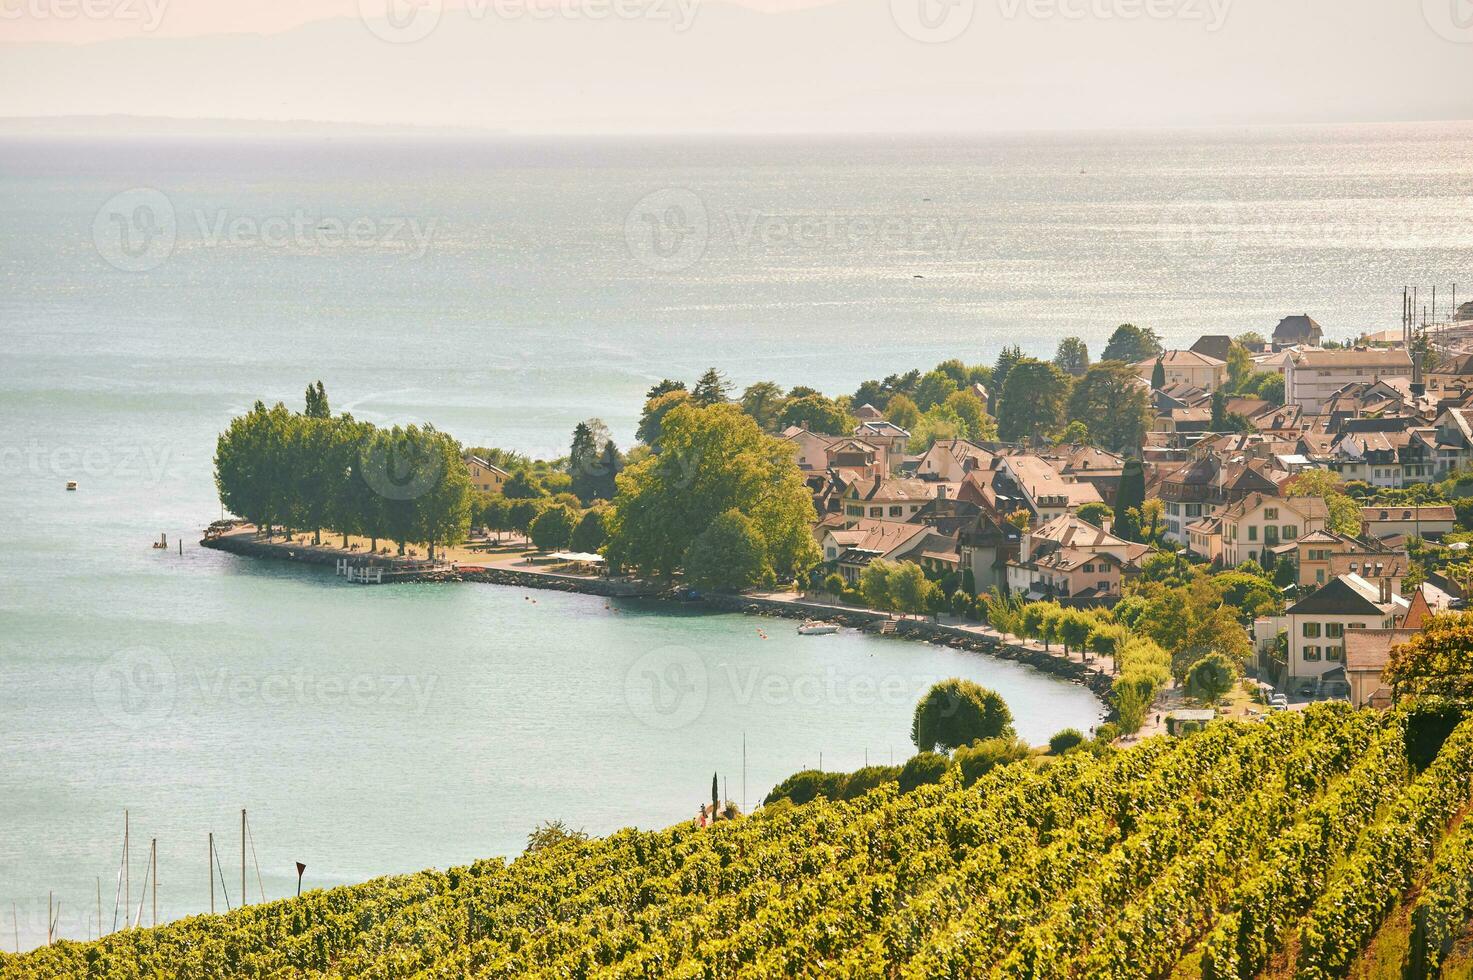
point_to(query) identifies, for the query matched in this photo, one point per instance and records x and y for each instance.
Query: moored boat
(814, 627)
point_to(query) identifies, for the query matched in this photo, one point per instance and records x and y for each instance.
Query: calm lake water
(506, 290)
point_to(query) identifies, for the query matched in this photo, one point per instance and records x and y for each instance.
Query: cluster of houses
(1362, 413)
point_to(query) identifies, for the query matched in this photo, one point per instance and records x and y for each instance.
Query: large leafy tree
(902, 411)
(1344, 511)
(1072, 357)
(958, 712)
(763, 401)
(317, 407)
(553, 528)
(583, 458)
(729, 555)
(1132, 344)
(935, 388)
(1034, 400)
(1129, 497)
(817, 414)
(711, 461)
(655, 410)
(1110, 399)
(1436, 661)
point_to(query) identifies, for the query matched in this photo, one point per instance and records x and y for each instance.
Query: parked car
(1306, 690)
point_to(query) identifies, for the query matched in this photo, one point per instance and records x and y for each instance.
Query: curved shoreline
(1091, 677)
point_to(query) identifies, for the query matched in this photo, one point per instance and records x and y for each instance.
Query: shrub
(834, 584)
(1211, 677)
(1107, 733)
(1064, 741)
(862, 781)
(807, 786)
(981, 757)
(921, 769)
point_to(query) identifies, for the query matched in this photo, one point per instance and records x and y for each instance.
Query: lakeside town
(1285, 508)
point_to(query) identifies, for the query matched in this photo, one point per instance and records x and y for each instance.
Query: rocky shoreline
(910, 629)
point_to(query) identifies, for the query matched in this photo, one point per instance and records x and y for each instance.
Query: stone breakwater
(1090, 676)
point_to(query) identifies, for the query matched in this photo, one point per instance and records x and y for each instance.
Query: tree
(907, 587)
(1132, 344)
(728, 556)
(655, 410)
(603, 482)
(1072, 356)
(972, 413)
(521, 514)
(583, 460)
(1344, 511)
(1117, 408)
(553, 528)
(1437, 661)
(874, 585)
(1007, 359)
(711, 388)
(1250, 338)
(1076, 433)
(935, 388)
(1239, 366)
(1130, 496)
(663, 387)
(1210, 678)
(817, 414)
(902, 411)
(1158, 375)
(958, 712)
(1095, 513)
(589, 534)
(712, 460)
(317, 407)
(763, 401)
(523, 485)
(1033, 401)
(553, 833)
(495, 513)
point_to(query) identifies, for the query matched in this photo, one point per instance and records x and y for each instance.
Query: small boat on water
(71, 484)
(814, 627)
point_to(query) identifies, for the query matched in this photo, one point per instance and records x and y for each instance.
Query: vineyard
(1283, 848)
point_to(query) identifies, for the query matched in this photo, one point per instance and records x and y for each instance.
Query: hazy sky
(755, 66)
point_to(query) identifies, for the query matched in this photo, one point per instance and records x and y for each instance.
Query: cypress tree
(1130, 496)
(1158, 376)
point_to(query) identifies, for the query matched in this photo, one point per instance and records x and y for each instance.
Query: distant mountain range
(848, 66)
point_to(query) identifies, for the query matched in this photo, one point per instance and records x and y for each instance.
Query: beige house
(1317, 624)
(952, 460)
(1186, 367)
(1259, 523)
(486, 477)
(1312, 376)
(892, 498)
(1073, 559)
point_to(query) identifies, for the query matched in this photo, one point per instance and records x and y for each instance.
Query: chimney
(1385, 591)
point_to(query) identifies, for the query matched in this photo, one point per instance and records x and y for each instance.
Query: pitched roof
(1368, 650)
(1360, 358)
(1426, 512)
(1214, 345)
(1181, 359)
(1344, 595)
(1292, 328)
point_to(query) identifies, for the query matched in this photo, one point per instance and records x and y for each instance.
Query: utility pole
(212, 871)
(242, 858)
(127, 872)
(154, 857)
